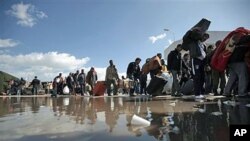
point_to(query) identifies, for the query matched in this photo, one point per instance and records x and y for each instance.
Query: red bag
(223, 53)
(99, 88)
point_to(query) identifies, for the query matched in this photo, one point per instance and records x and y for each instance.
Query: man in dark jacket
(70, 83)
(36, 84)
(111, 77)
(133, 73)
(91, 78)
(198, 64)
(81, 81)
(238, 68)
(174, 66)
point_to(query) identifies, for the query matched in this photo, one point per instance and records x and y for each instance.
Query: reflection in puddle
(111, 118)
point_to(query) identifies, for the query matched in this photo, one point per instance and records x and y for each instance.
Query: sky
(44, 37)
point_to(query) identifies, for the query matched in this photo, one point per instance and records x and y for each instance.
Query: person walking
(35, 85)
(91, 78)
(82, 81)
(111, 78)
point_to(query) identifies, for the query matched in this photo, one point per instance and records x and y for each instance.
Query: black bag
(156, 85)
(193, 35)
(188, 87)
(203, 25)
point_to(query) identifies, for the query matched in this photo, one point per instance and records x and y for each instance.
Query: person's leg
(215, 81)
(197, 77)
(115, 87)
(143, 87)
(222, 78)
(208, 82)
(108, 82)
(82, 91)
(132, 89)
(84, 88)
(33, 91)
(58, 89)
(202, 77)
(241, 70)
(231, 81)
(175, 86)
(36, 90)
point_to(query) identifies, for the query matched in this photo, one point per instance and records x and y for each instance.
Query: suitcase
(156, 85)
(188, 87)
(203, 24)
(99, 88)
(192, 35)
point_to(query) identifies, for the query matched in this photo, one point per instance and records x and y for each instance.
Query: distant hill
(4, 78)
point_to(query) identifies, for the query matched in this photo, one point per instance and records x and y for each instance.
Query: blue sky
(44, 37)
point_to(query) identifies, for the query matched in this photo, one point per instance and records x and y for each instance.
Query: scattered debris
(218, 113)
(230, 103)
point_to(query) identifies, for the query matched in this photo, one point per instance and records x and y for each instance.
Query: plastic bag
(66, 90)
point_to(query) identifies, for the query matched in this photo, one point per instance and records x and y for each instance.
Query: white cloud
(26, 14)
(153, 39)
(5, 43)
(46, 65)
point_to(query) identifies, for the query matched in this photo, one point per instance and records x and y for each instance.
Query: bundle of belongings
(237, 38)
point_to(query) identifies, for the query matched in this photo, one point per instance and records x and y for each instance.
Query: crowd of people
(194, 65)
(75, 83)
(206, 78)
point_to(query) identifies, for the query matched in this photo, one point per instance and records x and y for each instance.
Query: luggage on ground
(156, 85)
(66, 90)
(99, 88)
(168, 86)
(188, 87)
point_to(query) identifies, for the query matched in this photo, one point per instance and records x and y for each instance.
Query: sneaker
(199, 97)
(179, 95)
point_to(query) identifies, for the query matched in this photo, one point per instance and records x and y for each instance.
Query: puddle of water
(109, 118)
